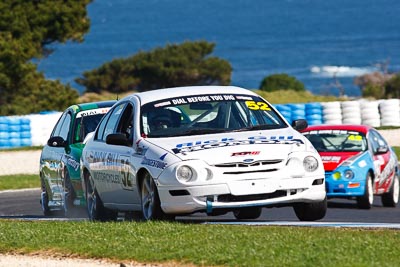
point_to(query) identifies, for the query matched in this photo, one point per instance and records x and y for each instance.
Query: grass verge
(202, 244)
(19, 181)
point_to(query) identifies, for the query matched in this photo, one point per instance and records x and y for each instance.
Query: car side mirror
(118, 139)
(299, 125)
(56, 141)
(382, 150)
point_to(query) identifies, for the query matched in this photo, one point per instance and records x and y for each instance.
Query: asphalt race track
(24, 204)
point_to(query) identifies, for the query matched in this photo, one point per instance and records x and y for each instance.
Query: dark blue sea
(313, 40)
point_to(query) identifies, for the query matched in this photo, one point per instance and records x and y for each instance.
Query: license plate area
(251, 187)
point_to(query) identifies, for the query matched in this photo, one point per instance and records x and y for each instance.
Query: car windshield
(337, 140)
(204, 114)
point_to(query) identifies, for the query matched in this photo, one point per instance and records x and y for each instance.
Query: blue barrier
(14, 132)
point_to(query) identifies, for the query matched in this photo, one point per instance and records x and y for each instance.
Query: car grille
(253, 167)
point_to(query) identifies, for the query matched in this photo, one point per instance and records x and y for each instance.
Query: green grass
(290, 96)
(202, 244)
(19, 181)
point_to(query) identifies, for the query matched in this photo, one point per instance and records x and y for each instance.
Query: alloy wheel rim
(147, 197)
(396, 190)
(370, 191)
(91, 200)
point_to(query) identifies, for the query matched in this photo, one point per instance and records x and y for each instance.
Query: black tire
(311, 211)
(44, 199)
(391, 198)
(247, 213)
(365, 201)
(95, 208)
(69, 194)
(150, 201)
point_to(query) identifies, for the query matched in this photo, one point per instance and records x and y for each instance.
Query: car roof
(159, 94)
(92, 105)
(353, 127)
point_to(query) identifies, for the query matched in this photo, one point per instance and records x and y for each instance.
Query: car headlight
(349, 174)
(184, 173)
(310, 163)
(336, 175)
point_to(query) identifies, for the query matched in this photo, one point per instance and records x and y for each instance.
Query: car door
(383, 162)
(51, 161)
(116, 181)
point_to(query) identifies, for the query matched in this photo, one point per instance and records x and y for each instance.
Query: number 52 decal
(257, 105)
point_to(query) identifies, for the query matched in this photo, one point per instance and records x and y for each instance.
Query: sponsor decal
(73, 163)
(207, 98)
(92, 112)
(389, 168)
(201, 98)
(259, 140)
(362, 164)
(163, 156)
(246, 153)
(242, 97)
(330, 159)
(162, 104)
(154, 163)
(353, 159)
(333, 132)
(107, 177)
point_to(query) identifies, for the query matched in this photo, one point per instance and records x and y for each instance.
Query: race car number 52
(257, 105)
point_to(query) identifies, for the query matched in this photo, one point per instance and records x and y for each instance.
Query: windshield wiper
(258, 127)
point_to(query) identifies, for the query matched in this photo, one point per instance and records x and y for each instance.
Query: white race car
(211, 149)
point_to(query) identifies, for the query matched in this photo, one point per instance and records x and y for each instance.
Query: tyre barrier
(35, 129)
(15, 131)
(390, 112)
(370, 113)
(27, 130)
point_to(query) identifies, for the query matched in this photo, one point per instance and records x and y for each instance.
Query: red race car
(358, 163)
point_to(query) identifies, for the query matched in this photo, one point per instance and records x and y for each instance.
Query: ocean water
(313, 40)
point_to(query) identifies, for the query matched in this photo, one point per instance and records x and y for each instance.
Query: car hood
(332, 160)
(234, 147)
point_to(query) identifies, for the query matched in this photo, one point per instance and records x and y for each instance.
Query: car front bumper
(239, 194)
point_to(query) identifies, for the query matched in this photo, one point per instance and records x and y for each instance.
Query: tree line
(27, 28)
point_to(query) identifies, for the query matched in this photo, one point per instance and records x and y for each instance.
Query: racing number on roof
(253, 105)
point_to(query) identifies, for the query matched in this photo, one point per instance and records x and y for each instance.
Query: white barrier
(35, 129)
(28, 130)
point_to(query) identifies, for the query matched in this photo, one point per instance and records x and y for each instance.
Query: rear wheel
(311, 211)
(391, 198)
(151, 205)
(95, 208)
(365, 201)
(247, 213)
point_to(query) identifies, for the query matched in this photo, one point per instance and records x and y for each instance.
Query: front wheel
(365, 201)
(69, 193)
(44, 199)
(247, 213)
(391, 198)
(151, 205)
(311, 211)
